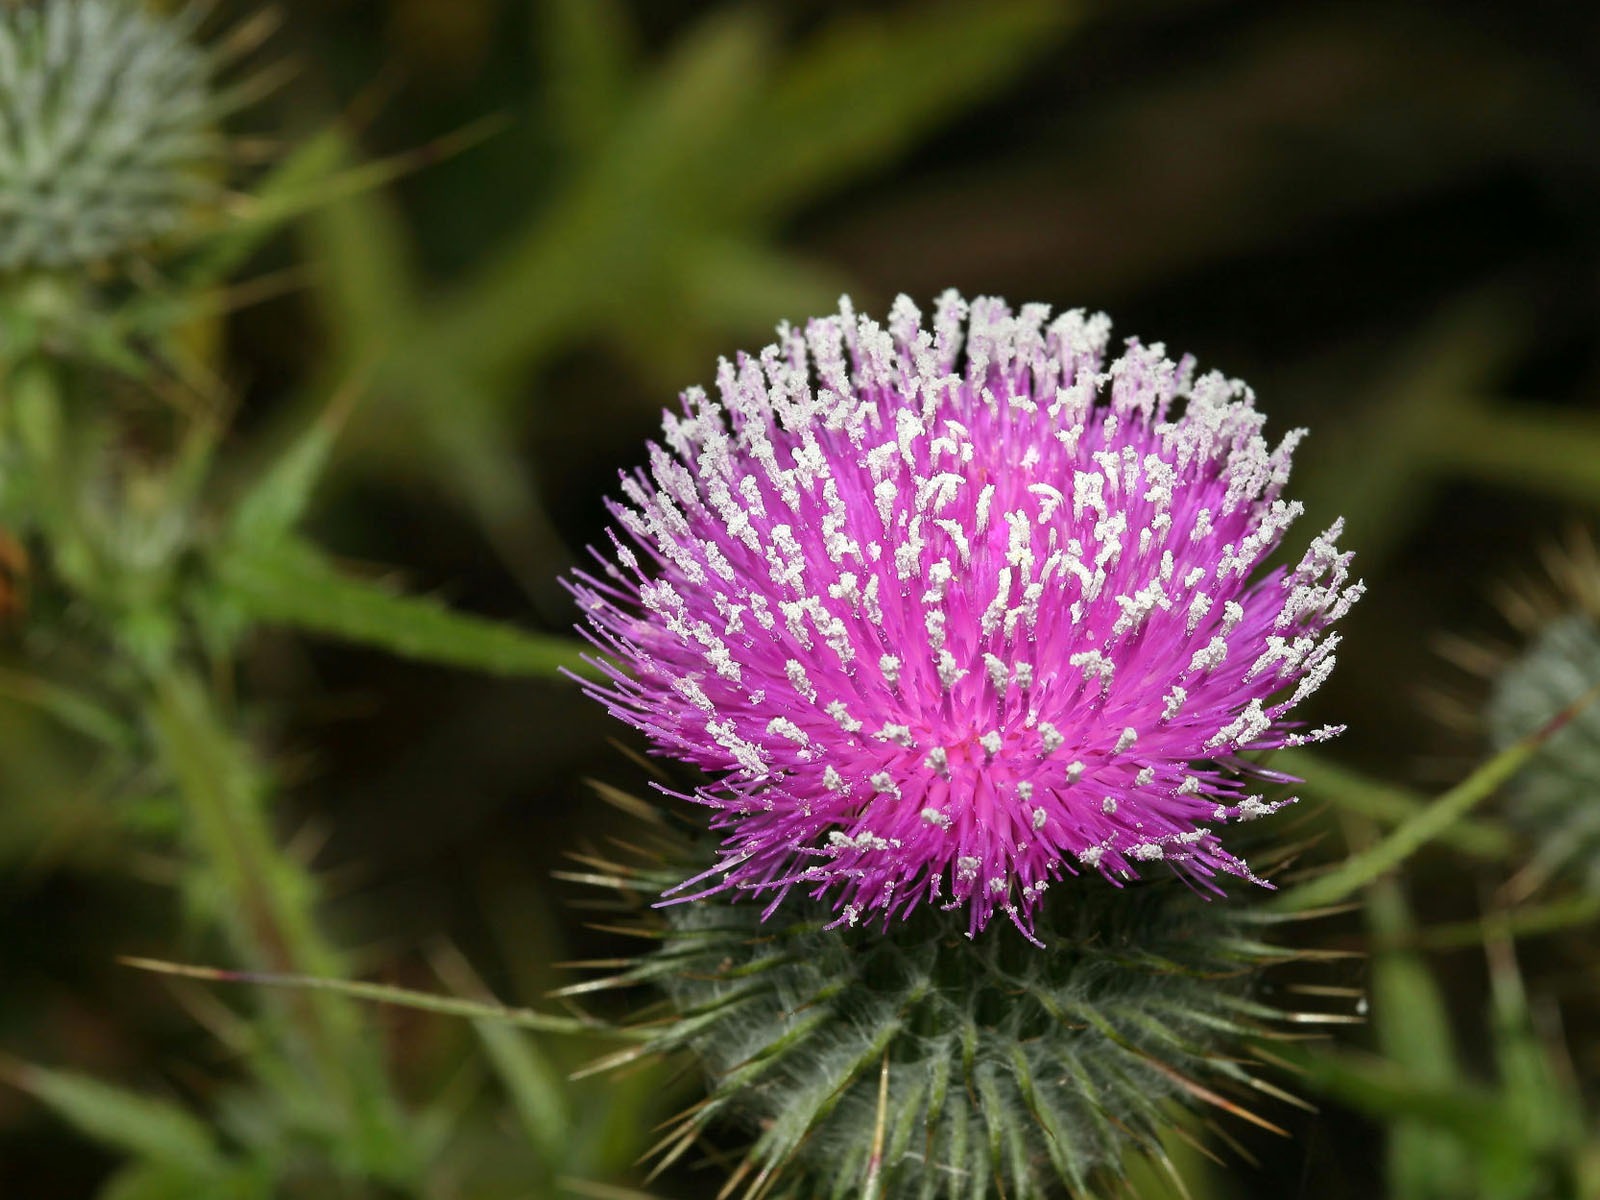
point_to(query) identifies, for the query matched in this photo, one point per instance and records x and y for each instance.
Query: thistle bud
(1555, 800)
(107, 130)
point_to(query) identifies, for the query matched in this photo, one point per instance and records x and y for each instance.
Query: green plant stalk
(1525, 921)
(382, 993)
(1417, 831)
(1413, 1031)
(37, 431)
(1389, 804)
(266, 903)
(1548, 453)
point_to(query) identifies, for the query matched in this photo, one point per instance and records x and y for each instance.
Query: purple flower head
(953, 610)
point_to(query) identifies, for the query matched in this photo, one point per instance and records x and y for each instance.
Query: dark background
(1375, 213)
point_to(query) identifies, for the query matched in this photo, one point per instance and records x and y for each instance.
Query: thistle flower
(952, 612)
(106, 129)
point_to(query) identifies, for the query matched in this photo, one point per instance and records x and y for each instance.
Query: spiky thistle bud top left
(106, 129)
(955, 609)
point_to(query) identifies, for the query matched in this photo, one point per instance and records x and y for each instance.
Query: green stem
(1550, 453)
(1528, 921)
(265, 903)
(1429, 823)
(382, 993)
(1388, 804)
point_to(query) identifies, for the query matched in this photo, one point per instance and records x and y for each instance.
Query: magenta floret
(950, 611)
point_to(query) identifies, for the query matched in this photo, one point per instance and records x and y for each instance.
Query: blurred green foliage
(467, 253)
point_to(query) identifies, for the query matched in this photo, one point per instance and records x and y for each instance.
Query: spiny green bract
(1006, 1069)
(106, 129)
(1556, 798)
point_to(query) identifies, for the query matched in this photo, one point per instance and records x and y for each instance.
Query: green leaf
(536, 1088)
(1545, 1110)
(1386, 1090)
(1413, 1032)
(367, 285)
(153, 1181)
(274, 504)
(866, 88)
(1355, 792)
(72, 709)
(1528, 920)
(157, 1131)
(266, 902)
(1418, 830)
(1547, 453)
(294, 186)
(587, 53)
(609, 229)
(294, 584)
(312, 177)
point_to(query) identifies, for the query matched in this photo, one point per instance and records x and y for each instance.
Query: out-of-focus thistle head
(1555, 800)
(930, 1064)
(957, 610)
(107, 129)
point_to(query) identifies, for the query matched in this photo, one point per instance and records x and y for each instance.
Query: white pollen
(1211, 656)
(991, 742)
(1108, 805)
(799, 680)
(884, 782)
(884, 494)
(949, 672)
(958, 535)
(1074, 772)
(840, 713)
(1130, 735)
(1039, 818)
(938, 760)
(784, 727)
(1144, 777)
(1095, 666)
(890, 666)
(1148, 852)
(934, 817)
(1174, 701)
(985, 498)
(1050, 737)
(1232, 614)
(1243, 729)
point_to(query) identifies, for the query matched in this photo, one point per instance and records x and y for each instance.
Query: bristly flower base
(934, 1064)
